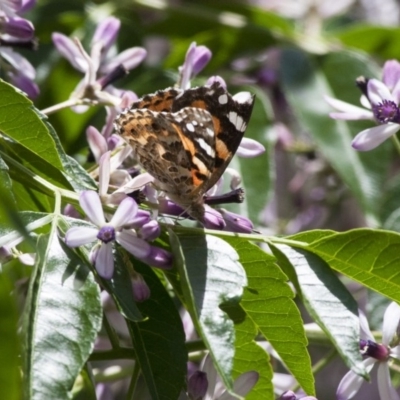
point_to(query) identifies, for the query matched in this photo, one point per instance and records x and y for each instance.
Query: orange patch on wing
(187, 143)
(199, 104)
(221, 150)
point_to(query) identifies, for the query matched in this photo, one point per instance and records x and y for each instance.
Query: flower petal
(391, 73)
(351, 382)
(159, 258)
(378, 91)
(105, 261)
(385, 388)
(250, 148)
(125, 212)
(96, 141)
(242, 385)
(347, 111)
(373, 137)
(365, 332)
(69, 50)
(104, 174)
(129, 58)
(106, 32)
(90, 202)
(136, 246)
(391, 321)
(80, 235)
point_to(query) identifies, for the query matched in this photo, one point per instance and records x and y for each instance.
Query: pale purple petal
(365, 332)
(385, 388)
(105, 261)
(373, 137)
(202, 56)
(250, 148)
(91, 204)
(125, 211)
(96, 141)
(395, 352)
(80, 235)
(136, 183)
(391, 73)
(68, 49)
(186, 69)
(347, 111)
(150, 231)
(378, 91)
(141, 291)
(236, 223)
(24, 83)
(129, 58)
(26, 5)
(351, 382)
(207, 366)
(107, 32)
(390, 323)
(104, 173)
(210, 81)
(27, 258)
(136, 246)
(18, 62)
(213, 219)
(19, 28)
(159, 258)
(242, 385)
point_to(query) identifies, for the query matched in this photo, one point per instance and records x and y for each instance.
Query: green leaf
(21, 122)
(249, 356)
(10, 377)
(305, 85)
(368, 256)
(381, 41)
(268, 301)
(210, 275)
(159, 341)
(61, 320)
(329, 303)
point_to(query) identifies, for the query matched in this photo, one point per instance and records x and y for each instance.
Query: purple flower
(108, 232)
(289, 395)
(381, 101)
(197, 57)
(100, 68)
(141, 291)
(197, 385)
(236, 223)
(375, 353)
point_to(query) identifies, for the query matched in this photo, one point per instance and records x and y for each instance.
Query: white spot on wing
(243, 97)
(237, 121)
(209, 131)
(206, 147)
(190, 127)
(223, 99)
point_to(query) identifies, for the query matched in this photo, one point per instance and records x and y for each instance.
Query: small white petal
(351, 382)
(395, 352)
(207, 366)
(136, 183)
(385, 388)
(80, 235)
(242, 385)
(129, 58)
(250, 148)
(125, 211)
(373, 137)
(136, 246)
(390, 323)
(104, 261)
(378, 91)
(27, 258)
(347, 110)
(91, 204)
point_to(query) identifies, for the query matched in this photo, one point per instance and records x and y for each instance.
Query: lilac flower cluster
(16, 31)
(381, 101)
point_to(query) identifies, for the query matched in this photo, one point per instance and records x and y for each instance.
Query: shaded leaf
(61, 320)
(159, 341)
(10, 376)
(329, 303)
(210, 275)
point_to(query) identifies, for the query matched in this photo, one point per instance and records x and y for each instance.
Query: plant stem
(132, 385)
(396, 143)
(60, 106)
